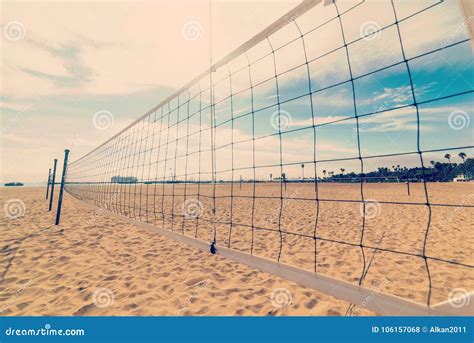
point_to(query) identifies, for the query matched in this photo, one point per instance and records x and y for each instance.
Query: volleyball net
(324, 143)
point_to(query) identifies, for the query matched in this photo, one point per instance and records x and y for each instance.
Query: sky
(77, 75)
(79, 58)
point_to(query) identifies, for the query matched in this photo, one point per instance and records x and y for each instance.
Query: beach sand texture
(101, 265)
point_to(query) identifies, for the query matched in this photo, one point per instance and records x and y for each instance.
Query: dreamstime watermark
(192, 208)
(458, 120)
(370, 30)
(103, 297)
(103, 120)
(13, 121)
(456, 211)
(281, 297)
(97, 214)
(281, 120)
(458, 297)
(192, 30)
(371, 209)
(274, 217)
(46, 331)
(14, 31)
(379, 287)
(460, 29)
(200, 287)
(10, 124)
(365, 125)
(12, 300)
(14, 208)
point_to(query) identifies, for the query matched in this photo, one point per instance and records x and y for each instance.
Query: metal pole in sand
(408, 187)
(47, 185)
(61, 189)
(52, 184)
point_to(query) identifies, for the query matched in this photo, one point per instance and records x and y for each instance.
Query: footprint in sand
(23, 305)
(194, 281)
(310, 304)
(332, 312)
(84, 310)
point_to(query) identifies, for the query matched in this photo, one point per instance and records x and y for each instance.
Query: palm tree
(342, 171)
(432, 163)
(302, 171)
(271, 177)
(462, 155)
(448, 157)
(324, 172)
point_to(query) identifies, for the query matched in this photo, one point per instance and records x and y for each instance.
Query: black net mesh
(320, 147)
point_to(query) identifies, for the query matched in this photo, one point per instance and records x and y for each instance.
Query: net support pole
(61, 189)
(53, 180)
(47, 184)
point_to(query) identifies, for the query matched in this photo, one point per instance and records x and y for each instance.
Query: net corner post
(61, 189)
(53, 180)
(47, 183)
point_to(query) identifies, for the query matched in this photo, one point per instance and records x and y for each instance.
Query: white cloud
(318, 121)
(16, 106)
(128, 46)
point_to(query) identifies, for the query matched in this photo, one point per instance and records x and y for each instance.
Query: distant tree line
(433, 172)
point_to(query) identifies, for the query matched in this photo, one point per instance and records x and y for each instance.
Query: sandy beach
(100, 265)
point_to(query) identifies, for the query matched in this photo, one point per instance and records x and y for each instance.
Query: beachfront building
(461, 178)
(124, 179)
